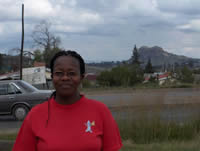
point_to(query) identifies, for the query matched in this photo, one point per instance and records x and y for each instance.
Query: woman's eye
(71, 73)
(59, 74)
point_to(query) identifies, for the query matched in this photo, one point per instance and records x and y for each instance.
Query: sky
(105, 30)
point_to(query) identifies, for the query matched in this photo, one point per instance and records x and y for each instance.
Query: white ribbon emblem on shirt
(89, 126)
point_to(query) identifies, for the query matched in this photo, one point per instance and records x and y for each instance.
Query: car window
(17, 89)
(3, 89)
(11, 89)
(26, 86)
(6, 89)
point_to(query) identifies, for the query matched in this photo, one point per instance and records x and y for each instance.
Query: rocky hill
(160, 57)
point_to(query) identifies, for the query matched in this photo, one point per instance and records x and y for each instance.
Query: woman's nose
(66, 77)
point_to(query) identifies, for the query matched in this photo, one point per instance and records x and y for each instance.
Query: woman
(68, 121)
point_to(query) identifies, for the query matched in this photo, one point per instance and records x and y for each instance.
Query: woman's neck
(67, 99)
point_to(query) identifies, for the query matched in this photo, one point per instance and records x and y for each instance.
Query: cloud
(1, 29)
(191, 51)
(190, 7)
(135, 7)
(11, 13)
(38, 9)
(10, 27)
(192, 26)
(32, 8)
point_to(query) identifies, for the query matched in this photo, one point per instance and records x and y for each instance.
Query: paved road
(150, 97)
(175, 104)
(8, 123)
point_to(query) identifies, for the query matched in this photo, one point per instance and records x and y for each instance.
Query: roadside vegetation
(137, 87)
(154, 134)
(146, 131)
(8, 136)
(192, 145)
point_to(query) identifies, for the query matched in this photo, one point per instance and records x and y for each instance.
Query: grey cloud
(190, 7)
(107, 6)
(158, 25)
(189, 30)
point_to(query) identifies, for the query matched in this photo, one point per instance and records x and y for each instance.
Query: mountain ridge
(160, 57)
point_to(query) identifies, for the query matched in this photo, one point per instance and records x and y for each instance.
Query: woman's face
(66, 76)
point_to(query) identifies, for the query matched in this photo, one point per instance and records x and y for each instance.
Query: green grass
(153, 134)
(146, 131)
(102, 90)
(193, 145)
(8, 136)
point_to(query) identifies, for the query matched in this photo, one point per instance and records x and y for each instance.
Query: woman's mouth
(65, 86)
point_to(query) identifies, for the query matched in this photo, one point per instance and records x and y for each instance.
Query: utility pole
(22, 43)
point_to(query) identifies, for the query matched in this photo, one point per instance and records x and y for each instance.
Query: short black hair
(68, 53)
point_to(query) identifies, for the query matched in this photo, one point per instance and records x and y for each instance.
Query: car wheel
(20, 111)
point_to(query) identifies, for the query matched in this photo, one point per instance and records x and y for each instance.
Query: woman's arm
(26, 140)
(111, 135)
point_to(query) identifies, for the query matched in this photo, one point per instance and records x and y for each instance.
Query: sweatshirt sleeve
(111, 135)
(26, 140)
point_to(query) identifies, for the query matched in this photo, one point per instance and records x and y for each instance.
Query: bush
(121, 76)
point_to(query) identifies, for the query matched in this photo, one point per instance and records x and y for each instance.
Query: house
(38, 64)
(162, 77)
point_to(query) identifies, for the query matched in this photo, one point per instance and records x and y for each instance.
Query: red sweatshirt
(86, 125)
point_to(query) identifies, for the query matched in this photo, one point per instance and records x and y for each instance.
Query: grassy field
(154, 134)
(96, 90)
(8, 136)
(193, 145)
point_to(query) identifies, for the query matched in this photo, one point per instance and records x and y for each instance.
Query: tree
(38, 56)
(191, 64)
(121, 76)
(136, 71)
(149, 67)
(105, 78)
(137, 75)
(135, 56)
(41, 35)
(43, 38)
(186, 75)
(48, 54)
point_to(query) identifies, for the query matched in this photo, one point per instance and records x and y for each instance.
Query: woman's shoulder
(40, 107)
(37, 117)
(39, 110)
